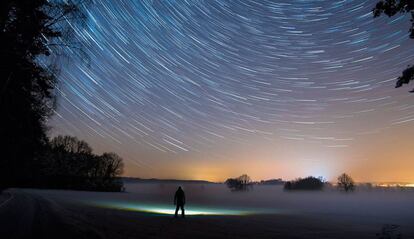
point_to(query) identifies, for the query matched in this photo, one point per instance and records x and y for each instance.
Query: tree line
(344, 182)
(33, 36)
(69, 163)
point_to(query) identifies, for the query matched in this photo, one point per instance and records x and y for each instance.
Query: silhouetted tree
(31, 31)
(240, 183)
(69, 159)
(244, 179)
(345, 182)
(308, 183)
(391, 8)
(70, 144)
(110, 167)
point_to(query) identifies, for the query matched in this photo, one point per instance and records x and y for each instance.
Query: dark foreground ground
(36, 214)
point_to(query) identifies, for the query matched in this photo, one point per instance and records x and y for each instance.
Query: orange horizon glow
(381, 161)
(386, 156)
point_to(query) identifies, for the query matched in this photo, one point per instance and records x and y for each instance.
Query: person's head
(179, 188)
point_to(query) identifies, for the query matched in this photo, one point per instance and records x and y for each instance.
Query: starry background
(213, 89)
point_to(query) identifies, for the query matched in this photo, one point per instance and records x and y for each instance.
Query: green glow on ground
(162, 209)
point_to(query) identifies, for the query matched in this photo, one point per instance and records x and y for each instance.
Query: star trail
(200, 83)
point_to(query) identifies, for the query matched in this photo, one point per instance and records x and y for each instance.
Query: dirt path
(26, 215)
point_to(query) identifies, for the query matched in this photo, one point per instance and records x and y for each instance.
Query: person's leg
(182, 211)
(176, 210)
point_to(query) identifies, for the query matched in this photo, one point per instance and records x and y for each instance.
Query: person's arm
(175, 198)
(184, 198)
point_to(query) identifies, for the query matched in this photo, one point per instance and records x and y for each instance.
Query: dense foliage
(71, 164)
(391, 8)
(308, 183)
(32, 34)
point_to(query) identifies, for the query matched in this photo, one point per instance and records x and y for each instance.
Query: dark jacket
(179, 197)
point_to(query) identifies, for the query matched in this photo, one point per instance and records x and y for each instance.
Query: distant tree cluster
(308, 183)
(240, 183)
(71, 164)
(278, 181)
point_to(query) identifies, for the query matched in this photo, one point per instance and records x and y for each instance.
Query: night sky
(214, 89)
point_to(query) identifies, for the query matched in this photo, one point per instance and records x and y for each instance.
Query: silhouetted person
(179, 201)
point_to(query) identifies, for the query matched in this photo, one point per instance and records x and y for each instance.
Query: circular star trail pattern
(188, 76)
